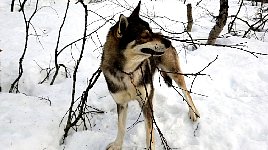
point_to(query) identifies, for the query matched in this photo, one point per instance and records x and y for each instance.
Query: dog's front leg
(148, 119)
(122, 115)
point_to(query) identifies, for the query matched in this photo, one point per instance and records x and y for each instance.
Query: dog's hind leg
(193, 112)
(122, 115)
(170, 64)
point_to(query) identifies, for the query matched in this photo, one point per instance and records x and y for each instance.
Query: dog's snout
(166, 42)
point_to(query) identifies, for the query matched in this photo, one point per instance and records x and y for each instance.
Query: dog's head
(136, 35)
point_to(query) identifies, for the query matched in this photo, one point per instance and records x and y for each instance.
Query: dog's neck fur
(111, 52)
(134, 60)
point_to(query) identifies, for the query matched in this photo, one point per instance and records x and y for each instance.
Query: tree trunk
(220, 22)
(189, 18)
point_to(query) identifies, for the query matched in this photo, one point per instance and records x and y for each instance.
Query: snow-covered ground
(233, 110)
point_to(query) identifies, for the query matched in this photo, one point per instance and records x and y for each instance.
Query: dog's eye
(144, 37)
(145, 34)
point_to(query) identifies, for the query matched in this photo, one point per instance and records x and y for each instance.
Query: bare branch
(239, 46)
(56, 55)
(12, 5)
(61, 50)
(230, 25)
(14, 86)
(22, 5)
(82, 108)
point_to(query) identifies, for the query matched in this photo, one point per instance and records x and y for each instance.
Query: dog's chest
(129, 86)
(133, 81)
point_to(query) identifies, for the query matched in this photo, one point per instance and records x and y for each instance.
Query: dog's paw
(194, 115)
(114, 146)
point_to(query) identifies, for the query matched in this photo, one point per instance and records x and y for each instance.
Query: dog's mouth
(151, 52)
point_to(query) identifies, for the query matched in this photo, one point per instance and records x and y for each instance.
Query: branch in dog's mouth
(150, 51)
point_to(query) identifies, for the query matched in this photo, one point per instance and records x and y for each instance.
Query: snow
(233, 110)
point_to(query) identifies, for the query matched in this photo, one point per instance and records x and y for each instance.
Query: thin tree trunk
(220, 22)
(189, 18)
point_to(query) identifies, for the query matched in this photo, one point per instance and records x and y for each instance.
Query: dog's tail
(167, 79)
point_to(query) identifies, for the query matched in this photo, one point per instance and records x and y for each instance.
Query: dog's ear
(136, 11)
(122, 26)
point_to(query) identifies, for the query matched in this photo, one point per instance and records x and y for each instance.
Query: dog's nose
(166, 42)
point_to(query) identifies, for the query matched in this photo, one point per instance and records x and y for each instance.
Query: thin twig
(56, 55)
(15, 85)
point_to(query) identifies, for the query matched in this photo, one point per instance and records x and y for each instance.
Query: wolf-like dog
(131, 55)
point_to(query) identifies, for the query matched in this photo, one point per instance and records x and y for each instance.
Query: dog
(131, 55)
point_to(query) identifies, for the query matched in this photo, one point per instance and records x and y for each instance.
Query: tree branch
(230, 25)
(73, 119)
(56, 55)
(14, 86)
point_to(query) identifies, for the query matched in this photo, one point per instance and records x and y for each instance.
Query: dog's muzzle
(152, 52)
(157, 49)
